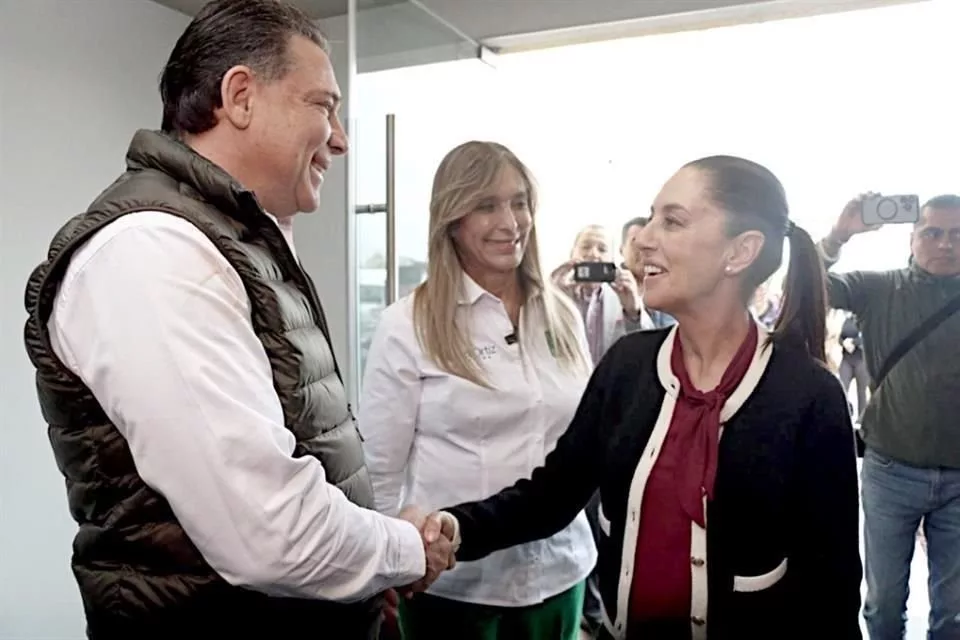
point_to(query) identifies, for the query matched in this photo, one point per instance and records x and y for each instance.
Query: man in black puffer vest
(185, 370)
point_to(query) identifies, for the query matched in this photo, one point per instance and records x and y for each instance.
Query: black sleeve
(557, 491)
(826, 550)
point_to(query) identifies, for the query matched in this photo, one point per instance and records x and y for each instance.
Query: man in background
(610, 310)
(185, 369)
(853, 368)
(911, 467)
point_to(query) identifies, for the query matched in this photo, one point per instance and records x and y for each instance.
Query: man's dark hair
(639, 221)
(224, 34)
(945, 201)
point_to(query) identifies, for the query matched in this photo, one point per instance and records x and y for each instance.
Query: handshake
(441, 539)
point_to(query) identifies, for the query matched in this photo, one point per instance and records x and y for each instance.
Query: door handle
(392, 284)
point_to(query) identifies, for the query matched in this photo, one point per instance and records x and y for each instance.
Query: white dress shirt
(434, 440)
(157, 324)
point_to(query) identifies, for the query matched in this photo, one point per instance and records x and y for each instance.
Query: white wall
(71, 98)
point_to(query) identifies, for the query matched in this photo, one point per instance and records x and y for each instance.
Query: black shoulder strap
(918, 334)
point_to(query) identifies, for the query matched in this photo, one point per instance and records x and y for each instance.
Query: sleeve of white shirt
(157, 324)
(389, 404)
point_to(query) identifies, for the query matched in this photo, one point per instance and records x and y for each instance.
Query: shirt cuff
(407, 553)
(827, 257)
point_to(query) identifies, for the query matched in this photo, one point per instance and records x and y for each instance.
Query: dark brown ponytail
(803, 314)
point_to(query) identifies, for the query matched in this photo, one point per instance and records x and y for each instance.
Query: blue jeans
(896, 499)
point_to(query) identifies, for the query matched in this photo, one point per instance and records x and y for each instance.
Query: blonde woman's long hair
(464, 177)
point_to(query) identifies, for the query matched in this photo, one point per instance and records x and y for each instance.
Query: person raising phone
(608, 312)
(911, 466)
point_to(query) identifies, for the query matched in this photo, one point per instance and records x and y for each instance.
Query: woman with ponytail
(724, 454)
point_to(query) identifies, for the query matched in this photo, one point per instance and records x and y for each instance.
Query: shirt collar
(471, 292)
(286, 231)
(922, 275)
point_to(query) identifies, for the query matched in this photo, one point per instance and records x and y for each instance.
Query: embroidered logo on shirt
(486, 352)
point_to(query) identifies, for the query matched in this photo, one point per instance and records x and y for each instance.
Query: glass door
(403, 50)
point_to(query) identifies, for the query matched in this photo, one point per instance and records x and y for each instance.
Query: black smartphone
(594, 272)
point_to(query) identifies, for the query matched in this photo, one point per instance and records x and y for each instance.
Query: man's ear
(744, 251)
(237, 91)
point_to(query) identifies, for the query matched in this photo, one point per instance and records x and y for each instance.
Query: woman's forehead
(685, 190)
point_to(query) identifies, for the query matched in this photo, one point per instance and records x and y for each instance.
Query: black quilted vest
(139, 574)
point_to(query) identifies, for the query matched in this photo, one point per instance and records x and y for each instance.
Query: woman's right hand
(850, 222)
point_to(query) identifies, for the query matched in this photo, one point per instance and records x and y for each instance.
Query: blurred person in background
(853, 368)
(911, 465)
(723, 453)
(609, 310)
(469, 383)
(765, 306)
(834, 352)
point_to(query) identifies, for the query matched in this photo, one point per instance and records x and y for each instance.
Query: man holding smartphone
(610, 311)
(911, 467)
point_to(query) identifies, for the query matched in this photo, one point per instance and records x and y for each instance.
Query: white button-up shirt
(434, 440)
(155, 321)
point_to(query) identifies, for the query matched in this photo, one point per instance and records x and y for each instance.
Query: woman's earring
(728, 270)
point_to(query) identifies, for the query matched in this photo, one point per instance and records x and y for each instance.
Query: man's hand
(562, 276)
(628, 291)
(850, 222)
(440, 541)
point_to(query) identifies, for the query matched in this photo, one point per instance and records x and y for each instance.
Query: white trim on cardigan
(698, 539)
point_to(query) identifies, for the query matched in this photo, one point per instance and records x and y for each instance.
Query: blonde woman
(469, 383)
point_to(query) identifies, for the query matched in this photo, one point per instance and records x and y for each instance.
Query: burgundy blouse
(673, 498)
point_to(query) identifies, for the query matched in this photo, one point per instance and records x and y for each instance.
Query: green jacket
(914, 416)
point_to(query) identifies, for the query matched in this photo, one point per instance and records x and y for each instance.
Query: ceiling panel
(511, 25)
(483, 19)
(315, 8)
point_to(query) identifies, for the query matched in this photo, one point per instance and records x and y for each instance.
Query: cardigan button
(697, 620)
(697, 562)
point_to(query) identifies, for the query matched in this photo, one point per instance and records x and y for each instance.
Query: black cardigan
(786, 495)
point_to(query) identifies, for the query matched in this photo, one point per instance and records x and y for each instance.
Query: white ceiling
(486, 19)
(512, 25)
(316, 8)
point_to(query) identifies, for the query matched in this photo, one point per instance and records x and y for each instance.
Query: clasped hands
(441, 539)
